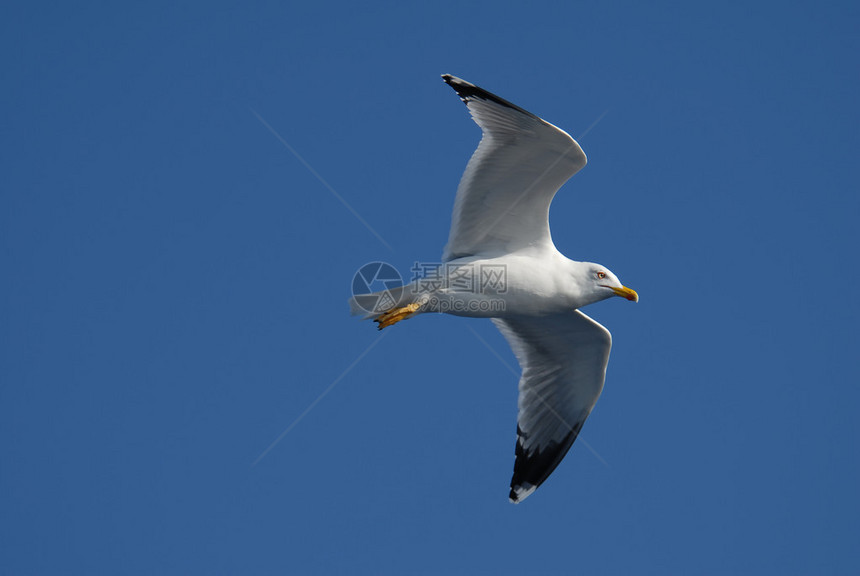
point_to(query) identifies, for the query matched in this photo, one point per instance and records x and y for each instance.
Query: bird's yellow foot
(397, 314)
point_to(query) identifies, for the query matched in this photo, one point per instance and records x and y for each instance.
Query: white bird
(500, 263)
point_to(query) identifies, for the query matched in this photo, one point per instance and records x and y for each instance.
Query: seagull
(500, 263)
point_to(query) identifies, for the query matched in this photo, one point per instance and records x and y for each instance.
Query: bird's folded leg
(395, 315)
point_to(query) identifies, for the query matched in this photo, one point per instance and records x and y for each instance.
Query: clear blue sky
(174, 285)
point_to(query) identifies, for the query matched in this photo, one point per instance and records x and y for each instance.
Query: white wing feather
(504, 195)
(563, 358)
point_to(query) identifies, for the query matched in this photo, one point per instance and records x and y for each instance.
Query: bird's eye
(601, 275)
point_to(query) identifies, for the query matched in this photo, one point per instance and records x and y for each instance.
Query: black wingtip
(515, 496)
(468, 91)
(463, 89)
(532, 469)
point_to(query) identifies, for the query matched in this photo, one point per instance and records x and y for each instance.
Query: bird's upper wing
(504, 195)
(563, 358)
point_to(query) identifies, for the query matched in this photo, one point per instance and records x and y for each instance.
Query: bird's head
(602, 283)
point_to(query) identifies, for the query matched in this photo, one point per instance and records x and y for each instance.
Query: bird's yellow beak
(625, 292)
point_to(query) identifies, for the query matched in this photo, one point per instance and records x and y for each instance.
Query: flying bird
(500, 263)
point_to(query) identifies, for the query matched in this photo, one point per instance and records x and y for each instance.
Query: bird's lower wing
(563, 358)
(504, 195)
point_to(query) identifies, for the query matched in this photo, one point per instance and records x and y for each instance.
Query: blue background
(174, 285)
